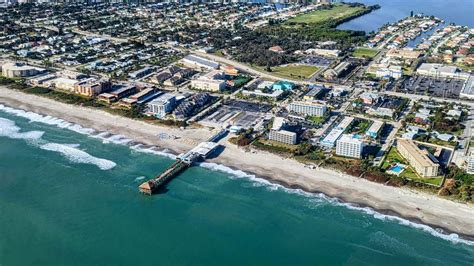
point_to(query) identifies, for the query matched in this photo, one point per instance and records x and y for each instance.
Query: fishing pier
(183, 161)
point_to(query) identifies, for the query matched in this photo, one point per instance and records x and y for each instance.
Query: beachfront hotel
(350, 146)
(307, 108)
(422, 161)
(162, 105)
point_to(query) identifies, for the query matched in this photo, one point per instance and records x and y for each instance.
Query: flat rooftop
(421, 156)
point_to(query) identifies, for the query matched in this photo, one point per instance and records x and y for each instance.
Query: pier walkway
(183, 161)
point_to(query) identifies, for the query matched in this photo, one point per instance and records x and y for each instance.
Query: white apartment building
(283, 136)
(307, 108)
(349, 146)
(162, 105)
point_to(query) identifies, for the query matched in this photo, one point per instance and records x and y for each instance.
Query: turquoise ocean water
(69, 198)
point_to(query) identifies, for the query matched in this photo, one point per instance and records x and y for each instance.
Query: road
(460, 155)
(102, 36)
(427, 98)
(447, 38)
(242, 67)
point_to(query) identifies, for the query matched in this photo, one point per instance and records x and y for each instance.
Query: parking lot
(317, 61)
(437, 87)
(237, 113)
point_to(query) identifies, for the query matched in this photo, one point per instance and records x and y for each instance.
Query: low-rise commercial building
(313, 93)
(441, 71)
(350, 146)
(422, 161)
(468, 88)
(200, 63)
(324, 52)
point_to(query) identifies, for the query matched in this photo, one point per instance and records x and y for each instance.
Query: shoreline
(450, 216)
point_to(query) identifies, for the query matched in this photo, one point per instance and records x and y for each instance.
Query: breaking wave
(46, 119)
(106, 137)
(72, 153)
(152, 150)
(10, 130)
(76, 155)
(257, 181)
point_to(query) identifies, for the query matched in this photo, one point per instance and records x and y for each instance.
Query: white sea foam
(152, 150)
(454, 238)
(78, 156)
(10, 130)
(48, 120)
(118, 139)
(81, 156)
(139, 178)
(106, 137)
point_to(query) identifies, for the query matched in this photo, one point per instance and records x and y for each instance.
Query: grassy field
(295, 71)
(391, 158)
(318, 16)
(365, 52)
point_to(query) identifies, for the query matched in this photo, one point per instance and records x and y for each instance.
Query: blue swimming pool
(396, 169)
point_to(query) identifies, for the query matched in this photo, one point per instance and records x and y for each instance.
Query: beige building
(16, 70)
(419, 159)
(65, 84)
(403, 53)
(283, 136)
(91, 87)
(212, 81)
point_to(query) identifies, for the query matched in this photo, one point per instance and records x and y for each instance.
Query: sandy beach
(413, 205)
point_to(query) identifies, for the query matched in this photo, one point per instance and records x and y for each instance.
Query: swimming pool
(397, 169)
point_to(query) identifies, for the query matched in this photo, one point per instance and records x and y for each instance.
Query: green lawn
(336, 12)
(318, 120)
(392, 157)
(431, 180)
(365, 52)
(295, 71)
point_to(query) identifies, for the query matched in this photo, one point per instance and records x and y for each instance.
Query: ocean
(452, 11)
(68, 196)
